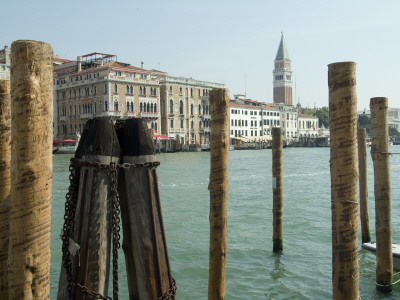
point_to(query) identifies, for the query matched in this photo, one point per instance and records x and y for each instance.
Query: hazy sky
(231, 42)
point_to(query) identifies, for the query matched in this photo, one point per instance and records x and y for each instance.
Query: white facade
(5, 63)
(252, 123)
(307, 126)
(394, 118)
(289, 122)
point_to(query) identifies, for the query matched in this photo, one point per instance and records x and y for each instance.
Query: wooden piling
(144, 241)
(218, 186)
(31, 171)
(363, 184)
(383, 193)
(98, 147)
(277, 187)
(5, 180)
(344, 177)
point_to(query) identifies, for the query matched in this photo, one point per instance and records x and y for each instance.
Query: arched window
(155, 108)
(191, 109)
(115, 88)
(181, 107)
(127, 89)
(132, 107)
(199, 107)
(131, 89)
(171, 106)
(151, 107)
(141, 91)
(141, 106)
(105, 106)
(155, 126)
(148, 107)
(144, 90)
(192, 125)
(116, 106)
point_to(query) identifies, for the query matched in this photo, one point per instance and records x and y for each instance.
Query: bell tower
(282, 75)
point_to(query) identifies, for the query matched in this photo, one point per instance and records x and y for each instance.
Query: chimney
(142, 65)
(7, 55)
(79, 59)
(101, 62)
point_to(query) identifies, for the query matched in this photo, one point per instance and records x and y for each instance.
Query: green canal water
(302, 271)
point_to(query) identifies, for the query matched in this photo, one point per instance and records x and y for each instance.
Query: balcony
(176, 130)
(130, 114)
(111, 113)
(149, 115)
(86, 116)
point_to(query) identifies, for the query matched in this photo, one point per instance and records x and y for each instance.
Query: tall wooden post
(383, 193)
(344, 177)
(277, 187)
(98, 147)
(32, 169)
(363, 183)
(219, 149)
(144, 244)
(5, 174)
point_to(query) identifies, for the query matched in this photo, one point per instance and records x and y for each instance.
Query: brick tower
(282, 75)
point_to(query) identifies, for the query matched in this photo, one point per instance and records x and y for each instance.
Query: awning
(63, 141)
(161, 137)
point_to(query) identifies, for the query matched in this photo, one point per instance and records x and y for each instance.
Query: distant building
(251, 120)
(282, 74)
(5, 63)
(185, 109)
(97, 85)
(393, 116)
(308, 126)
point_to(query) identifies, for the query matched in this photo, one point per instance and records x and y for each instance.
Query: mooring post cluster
(116, 172)
(344, 176)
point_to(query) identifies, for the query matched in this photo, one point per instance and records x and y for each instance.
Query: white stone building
(5, 63)
(185, 109)
(252, 120)
(307, 126)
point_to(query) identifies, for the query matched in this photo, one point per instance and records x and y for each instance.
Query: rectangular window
(171, 124)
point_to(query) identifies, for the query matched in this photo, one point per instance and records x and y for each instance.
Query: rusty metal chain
(115, 225)
(170, 294)
(69, 215)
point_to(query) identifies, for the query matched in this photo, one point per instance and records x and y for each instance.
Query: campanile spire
(282, 75)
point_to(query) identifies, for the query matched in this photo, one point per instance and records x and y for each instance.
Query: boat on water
(395, 250)
(64, 146)
(67, 146)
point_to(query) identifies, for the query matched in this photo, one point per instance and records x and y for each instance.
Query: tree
(365, 122)
(393, 132)
(323, 116)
